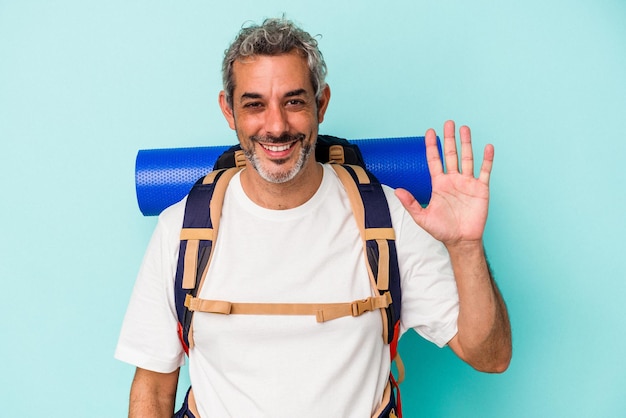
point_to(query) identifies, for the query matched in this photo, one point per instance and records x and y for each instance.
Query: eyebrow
(298, 92)
(293, 93)
(250, 96)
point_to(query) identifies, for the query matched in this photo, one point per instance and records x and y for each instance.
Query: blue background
(85, 84)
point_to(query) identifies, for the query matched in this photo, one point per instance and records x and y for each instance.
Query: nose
(276, 122)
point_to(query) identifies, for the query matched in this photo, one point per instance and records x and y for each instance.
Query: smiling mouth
(277, 147)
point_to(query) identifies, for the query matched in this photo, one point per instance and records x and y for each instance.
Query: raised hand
(456, 216)
(457, 212)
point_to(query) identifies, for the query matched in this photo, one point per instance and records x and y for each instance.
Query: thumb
(410, 204)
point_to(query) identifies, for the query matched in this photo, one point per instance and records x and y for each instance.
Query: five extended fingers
(451, 156)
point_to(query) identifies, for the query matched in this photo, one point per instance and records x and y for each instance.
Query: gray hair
(274, 36)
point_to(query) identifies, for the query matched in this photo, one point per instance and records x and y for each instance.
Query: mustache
(282, 139)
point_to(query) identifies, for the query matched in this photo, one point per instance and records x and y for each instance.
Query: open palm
(458, 208)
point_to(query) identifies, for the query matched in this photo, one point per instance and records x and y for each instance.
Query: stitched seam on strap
(205, 234)
(380, 233)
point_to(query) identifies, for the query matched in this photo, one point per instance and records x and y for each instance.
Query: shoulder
(173, 213)
(170, 221)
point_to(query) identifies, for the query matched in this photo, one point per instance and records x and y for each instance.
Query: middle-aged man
(288, 235)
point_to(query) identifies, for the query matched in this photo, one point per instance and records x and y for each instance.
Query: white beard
(279, 176)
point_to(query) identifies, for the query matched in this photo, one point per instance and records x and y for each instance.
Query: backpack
(371, 211)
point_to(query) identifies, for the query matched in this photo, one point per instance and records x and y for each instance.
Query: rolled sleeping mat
(165, 176)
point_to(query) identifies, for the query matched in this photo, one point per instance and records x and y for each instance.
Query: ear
(227, 111)
(322, 104)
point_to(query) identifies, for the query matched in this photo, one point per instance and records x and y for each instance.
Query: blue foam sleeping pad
(165, 176)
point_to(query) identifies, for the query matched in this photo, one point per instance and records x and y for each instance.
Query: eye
(252, 105)
(296, 102)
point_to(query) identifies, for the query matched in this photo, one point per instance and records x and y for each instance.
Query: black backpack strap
(371, 212)
(200, 224)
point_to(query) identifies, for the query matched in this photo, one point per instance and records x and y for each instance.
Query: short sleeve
(430, 302)
(149, 337)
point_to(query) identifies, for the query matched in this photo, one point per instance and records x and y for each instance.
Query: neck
(280, 196)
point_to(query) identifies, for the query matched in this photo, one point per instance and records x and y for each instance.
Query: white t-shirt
(286, 366)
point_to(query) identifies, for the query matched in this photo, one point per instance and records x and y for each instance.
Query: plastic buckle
(240, 159)
(361, 306)
(336, 155)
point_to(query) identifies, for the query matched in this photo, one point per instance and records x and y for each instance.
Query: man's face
(275, 114)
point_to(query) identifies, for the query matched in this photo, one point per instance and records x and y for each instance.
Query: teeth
(277, 148)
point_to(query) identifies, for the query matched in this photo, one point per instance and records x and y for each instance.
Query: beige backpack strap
(400, 367)
(379, 279)
(193, 236)
(322, 311)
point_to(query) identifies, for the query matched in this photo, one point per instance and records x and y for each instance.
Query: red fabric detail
(393, 351)
(398, 401)
(393, 345)
(182, 339)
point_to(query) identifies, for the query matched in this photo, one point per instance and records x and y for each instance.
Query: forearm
(152, 394)
(484, 332)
